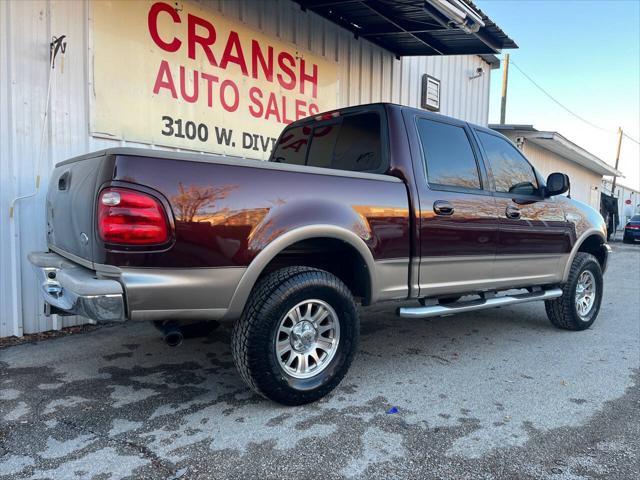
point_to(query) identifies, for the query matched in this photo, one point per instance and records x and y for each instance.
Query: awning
(416, 27)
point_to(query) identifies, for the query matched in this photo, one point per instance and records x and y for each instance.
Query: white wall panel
(366, 73)
(583, 180)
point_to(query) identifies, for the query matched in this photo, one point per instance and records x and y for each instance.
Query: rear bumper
(74, 290)
(120, 293)
(632, 233)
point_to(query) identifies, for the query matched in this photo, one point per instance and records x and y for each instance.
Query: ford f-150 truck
(360, 205)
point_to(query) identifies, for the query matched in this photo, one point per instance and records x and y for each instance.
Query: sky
(586, 54)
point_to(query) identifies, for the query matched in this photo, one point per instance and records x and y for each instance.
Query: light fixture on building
(478, 73)
(459, 14)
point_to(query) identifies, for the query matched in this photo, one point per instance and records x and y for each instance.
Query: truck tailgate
(70, 206)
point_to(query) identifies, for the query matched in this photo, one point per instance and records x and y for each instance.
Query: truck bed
(224, 210)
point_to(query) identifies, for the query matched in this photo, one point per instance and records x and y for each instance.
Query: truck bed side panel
(226, 214)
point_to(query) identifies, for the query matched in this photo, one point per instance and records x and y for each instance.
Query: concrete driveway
(495, 394)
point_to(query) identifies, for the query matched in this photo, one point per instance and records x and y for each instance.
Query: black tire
(626, 239)
(254, 334)
(562, 311)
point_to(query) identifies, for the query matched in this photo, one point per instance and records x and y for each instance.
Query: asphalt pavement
(492, 394)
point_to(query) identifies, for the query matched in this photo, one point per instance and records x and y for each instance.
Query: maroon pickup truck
(360, 205)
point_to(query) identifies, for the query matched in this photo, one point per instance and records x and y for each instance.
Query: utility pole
(505, 81)
(613, 184)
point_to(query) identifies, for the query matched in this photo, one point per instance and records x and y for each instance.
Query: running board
(460, 307)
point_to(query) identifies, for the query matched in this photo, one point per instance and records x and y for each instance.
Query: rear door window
(448, 155)
(350, 142)
(512, 173)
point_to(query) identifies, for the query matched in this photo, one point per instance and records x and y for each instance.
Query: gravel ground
(493, 394)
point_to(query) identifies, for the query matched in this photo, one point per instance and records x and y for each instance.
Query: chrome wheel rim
(585, 293)
(307, 338)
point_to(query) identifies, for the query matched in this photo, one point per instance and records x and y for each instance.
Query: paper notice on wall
(191, 78)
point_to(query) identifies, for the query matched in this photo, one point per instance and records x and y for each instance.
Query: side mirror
(557, 183)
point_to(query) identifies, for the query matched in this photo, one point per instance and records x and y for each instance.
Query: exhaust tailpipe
(172, 335)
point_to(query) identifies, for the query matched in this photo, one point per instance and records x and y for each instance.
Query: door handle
(512, 212)
(442, 207)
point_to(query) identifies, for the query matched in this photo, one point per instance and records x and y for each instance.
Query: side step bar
(470, 306)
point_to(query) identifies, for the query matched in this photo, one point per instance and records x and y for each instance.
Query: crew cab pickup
(360, 205)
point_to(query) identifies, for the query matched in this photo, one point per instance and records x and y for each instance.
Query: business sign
(174, 74)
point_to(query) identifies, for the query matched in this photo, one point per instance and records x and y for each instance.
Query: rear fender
(284, 240)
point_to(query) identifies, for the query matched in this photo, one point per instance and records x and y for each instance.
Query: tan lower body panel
(454, 275)
(180, 294)
(392, 277)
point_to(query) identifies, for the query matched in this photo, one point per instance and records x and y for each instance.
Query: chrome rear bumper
(74, 290)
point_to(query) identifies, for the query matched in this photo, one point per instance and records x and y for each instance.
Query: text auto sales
(259, 61)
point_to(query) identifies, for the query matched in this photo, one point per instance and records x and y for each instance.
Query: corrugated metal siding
(585, 184)
(366, 73)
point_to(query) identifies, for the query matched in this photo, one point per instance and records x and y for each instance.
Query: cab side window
(448, 155)
(358, 147)
(352, 142)
(511, 171)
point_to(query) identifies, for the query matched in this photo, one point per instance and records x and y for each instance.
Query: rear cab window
(342, 141)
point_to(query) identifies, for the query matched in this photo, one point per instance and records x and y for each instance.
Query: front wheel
(579, 304)
(297, 336)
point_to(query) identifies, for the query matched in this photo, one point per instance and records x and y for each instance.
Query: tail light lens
(129, 217)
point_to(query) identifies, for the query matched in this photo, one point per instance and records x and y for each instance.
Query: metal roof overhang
(416, 27)
(556, 143)
(559, 145)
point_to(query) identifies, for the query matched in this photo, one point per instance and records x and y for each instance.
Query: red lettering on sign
(313, 78)
(210, 79)
(164, 79)
(225, 85)
(233, 43)
(152, 22)
(286, 69)
(258, 57)
(193, 98)
(204, 41)
(255, 96)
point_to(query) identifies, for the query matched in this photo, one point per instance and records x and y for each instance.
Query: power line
(557, 102)
(630, 138)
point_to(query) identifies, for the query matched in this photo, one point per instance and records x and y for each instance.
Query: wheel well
(593, 245)
(332, 255)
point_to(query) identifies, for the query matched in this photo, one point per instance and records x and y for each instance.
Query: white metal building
(628, 201)
(551, 152)
(47, 114)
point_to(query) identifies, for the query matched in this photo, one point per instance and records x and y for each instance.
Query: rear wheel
(297, 336)
(579, 304)
(627, 239)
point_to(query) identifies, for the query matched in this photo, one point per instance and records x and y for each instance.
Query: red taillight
(128, 217)
(633, 227)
